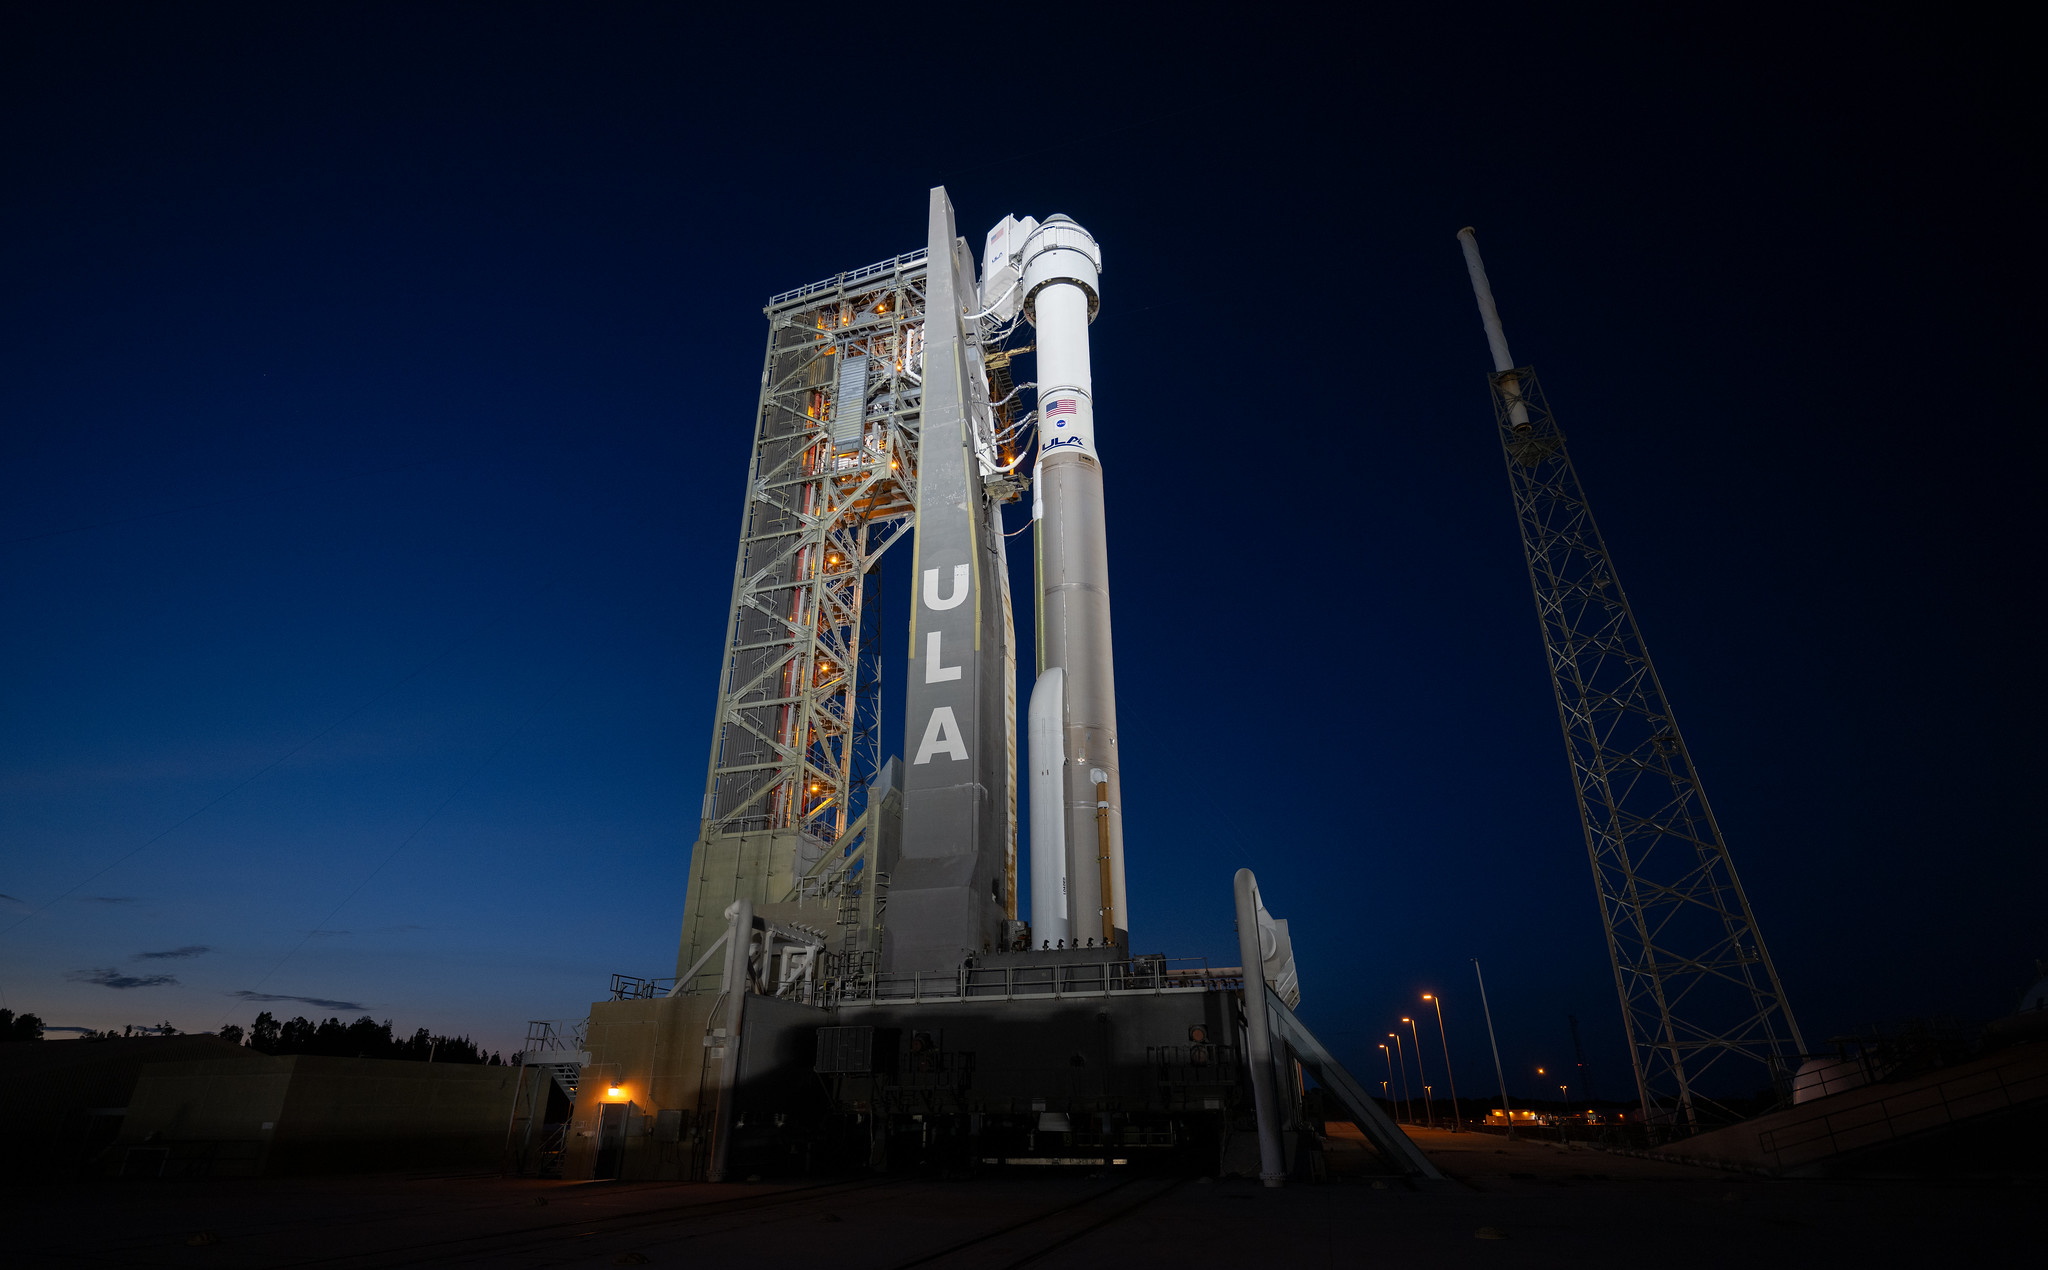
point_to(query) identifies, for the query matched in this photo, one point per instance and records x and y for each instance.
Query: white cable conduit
(976, 317)
(1013, 392)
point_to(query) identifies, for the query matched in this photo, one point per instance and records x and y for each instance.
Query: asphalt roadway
(1519, 1204)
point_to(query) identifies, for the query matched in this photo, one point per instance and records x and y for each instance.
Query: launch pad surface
(1509, 1203)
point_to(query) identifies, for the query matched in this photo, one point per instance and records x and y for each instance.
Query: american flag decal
(1064, 406)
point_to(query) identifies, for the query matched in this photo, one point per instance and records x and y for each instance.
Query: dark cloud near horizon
(59, 1027)
(246, 995)
(189, 950)
(110, 978)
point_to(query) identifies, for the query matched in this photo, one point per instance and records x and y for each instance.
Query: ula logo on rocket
(942, 729)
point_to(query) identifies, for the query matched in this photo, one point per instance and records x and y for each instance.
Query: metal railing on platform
(1149, 975)
(634, 988)
(851, 276)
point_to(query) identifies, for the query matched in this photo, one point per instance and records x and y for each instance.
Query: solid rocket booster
(1061, 269)
(1047, 721)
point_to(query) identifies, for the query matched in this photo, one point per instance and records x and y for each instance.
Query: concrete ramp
(1330, 1074)
(1841, 1132)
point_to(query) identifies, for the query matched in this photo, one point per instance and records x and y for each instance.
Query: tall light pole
(1564, 1113)
(1387, 1084)
(1401, 1058)
(1443, 1036)
(1507, 1108)
(1421, 1075)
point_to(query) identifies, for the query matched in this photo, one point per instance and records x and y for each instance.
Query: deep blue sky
(377, 383)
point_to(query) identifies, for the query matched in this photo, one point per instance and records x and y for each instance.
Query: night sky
(376, 387)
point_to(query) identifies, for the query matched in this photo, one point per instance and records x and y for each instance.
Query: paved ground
(1523, 1204)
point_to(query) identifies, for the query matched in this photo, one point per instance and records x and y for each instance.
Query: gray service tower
(855, 987)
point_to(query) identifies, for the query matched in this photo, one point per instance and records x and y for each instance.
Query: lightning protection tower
(1697, 985)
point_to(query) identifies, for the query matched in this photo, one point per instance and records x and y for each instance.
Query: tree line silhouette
(364, 1038)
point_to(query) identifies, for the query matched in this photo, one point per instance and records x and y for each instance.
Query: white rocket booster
(1047, 746)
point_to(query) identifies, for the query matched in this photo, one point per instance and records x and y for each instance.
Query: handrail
(1034, 981)
(891, 265)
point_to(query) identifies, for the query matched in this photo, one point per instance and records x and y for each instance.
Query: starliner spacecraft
(857, 986)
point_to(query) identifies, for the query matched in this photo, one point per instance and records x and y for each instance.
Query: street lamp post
(1421, 1075)
(1450, 1071)
(1564, 1093)
(1507, 1108)
(1401, 1059)
(1387, 1084)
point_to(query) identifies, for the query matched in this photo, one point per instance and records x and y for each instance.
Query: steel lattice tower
(831, 487)
(1697, 986)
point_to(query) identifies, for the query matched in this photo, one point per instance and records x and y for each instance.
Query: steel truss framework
(1696, 983)
(796, 739)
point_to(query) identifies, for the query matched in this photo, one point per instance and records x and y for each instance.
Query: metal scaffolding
(832, 486)
(1697, 985)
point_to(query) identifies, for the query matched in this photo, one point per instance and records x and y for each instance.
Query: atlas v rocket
(947, 892)
(1077, 837)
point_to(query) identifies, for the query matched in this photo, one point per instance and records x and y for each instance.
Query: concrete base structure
(1021, 1059)
(647, 1101)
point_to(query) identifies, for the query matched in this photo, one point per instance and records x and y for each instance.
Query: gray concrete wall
(60, 1100)
(308, 1114)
